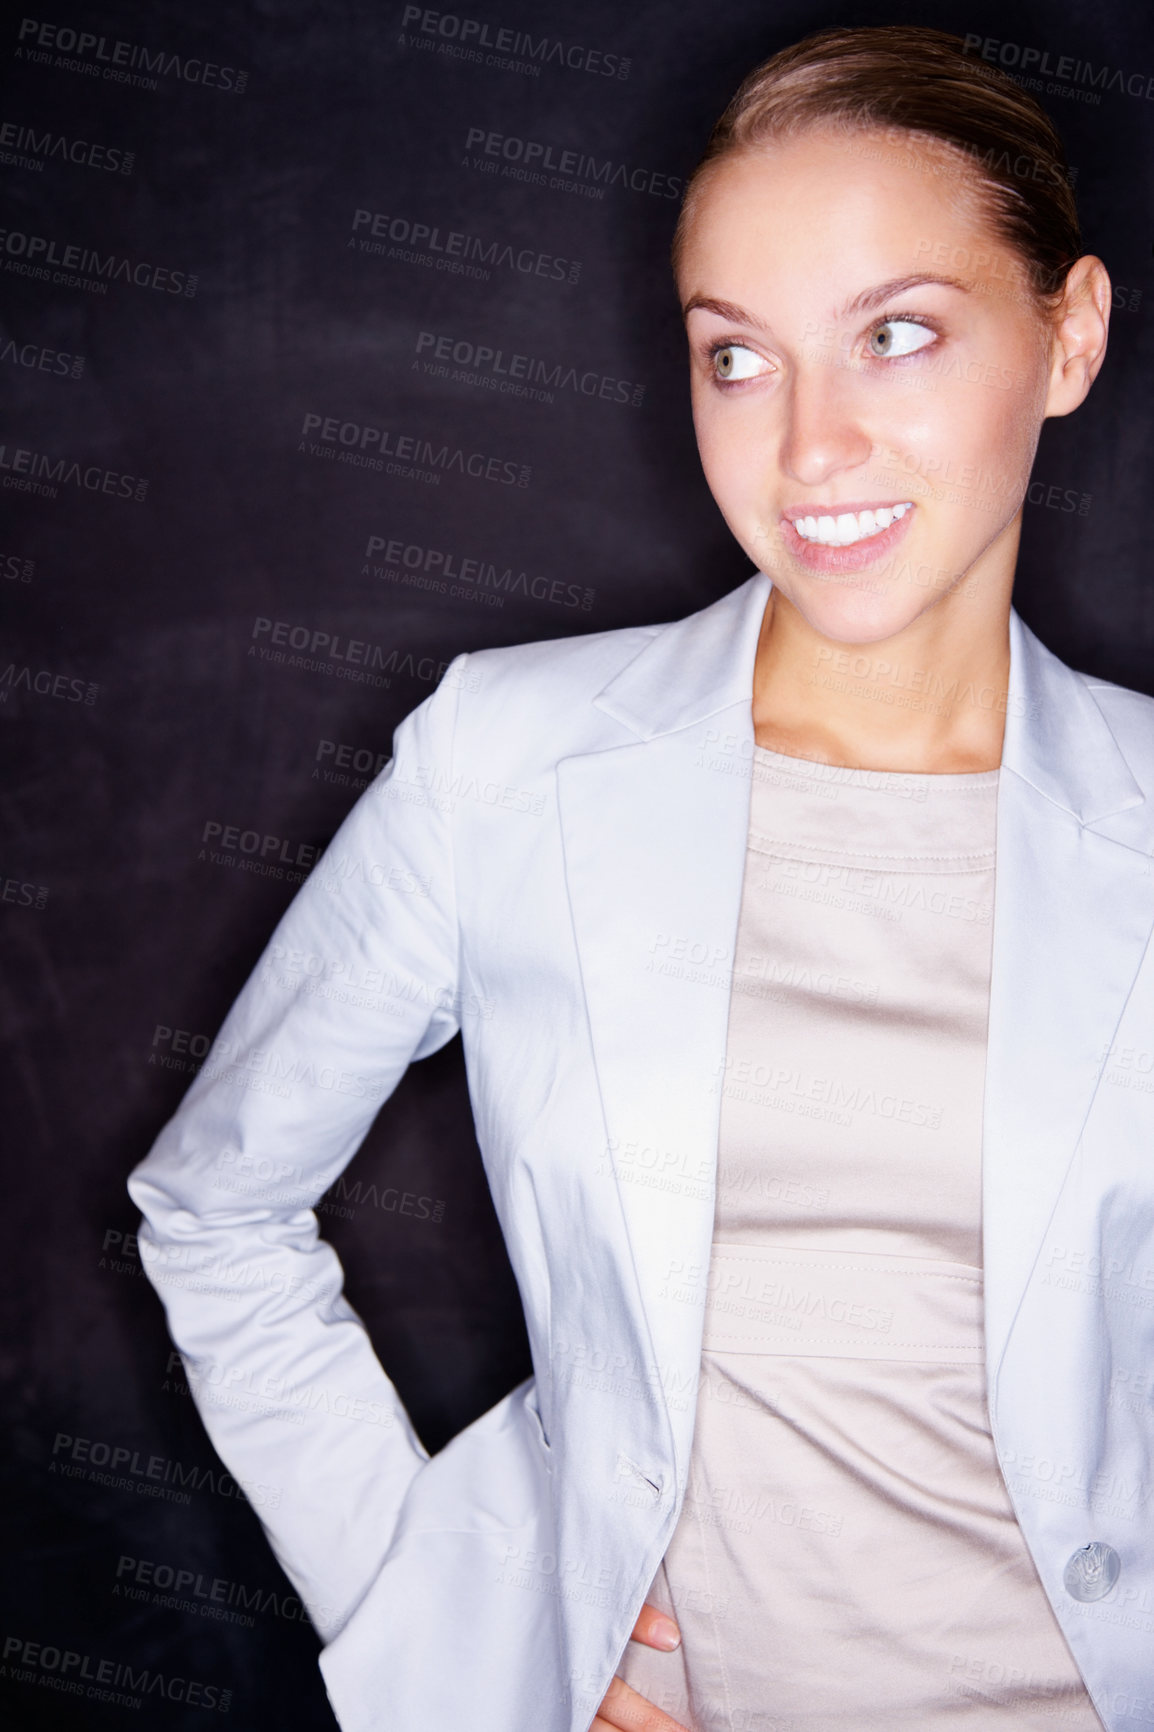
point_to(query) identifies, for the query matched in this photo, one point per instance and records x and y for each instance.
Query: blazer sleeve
(359, 977)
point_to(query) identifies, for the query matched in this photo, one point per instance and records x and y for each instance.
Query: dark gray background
(153, 721)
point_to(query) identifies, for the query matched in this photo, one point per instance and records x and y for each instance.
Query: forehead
(823, 211)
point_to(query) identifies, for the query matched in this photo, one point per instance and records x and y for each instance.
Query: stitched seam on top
(770, 845)
(858, 1341)
(859, 1269)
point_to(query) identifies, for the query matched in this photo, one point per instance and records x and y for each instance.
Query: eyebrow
(863, 303)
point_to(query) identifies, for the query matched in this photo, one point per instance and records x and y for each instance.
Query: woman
(778, 1206)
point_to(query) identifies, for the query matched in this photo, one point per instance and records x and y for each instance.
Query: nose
(823, 434)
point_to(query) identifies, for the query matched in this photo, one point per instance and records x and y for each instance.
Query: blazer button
(1092, 1571)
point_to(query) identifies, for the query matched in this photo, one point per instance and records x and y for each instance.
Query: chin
(850, 611)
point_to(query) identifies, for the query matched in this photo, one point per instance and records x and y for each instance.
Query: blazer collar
(692, 668)
(1057, 738)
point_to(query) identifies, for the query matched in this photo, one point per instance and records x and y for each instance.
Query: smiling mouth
(848, 527)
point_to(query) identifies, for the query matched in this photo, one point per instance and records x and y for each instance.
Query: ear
(1078, 343)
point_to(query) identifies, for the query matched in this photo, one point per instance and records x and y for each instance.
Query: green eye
(899, 337)
(735, 361)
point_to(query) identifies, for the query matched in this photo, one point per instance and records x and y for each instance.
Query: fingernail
(664, 1633)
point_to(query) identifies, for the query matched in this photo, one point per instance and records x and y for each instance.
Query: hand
(625, 1710)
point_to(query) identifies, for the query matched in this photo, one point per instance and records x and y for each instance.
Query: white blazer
(556, 820)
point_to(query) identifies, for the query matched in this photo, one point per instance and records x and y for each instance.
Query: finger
(625, 1710)
(655, 1629)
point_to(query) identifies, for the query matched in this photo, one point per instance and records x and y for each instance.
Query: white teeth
(849, 526)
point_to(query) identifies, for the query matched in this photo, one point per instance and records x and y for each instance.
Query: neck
(931, 699)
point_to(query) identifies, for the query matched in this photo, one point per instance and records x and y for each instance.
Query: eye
(899, 337)
(735, 361)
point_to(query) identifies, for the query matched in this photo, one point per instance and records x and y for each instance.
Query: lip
(816, 557)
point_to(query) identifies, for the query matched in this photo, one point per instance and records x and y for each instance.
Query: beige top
(847, 1555)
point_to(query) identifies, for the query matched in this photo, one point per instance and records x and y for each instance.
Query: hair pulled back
(912, 80)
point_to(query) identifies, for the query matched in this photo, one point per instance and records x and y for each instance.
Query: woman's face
(869, 375)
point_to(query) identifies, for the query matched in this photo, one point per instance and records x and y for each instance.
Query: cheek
(963, 424)
(1001, 435)
(733, 460)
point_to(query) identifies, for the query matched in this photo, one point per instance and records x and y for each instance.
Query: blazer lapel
(1072, 915)
(654, 835)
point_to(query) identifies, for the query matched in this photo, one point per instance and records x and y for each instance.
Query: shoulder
(528, 706)
(632, 679)
(536, 700)
(1129, 715)
(584, 664)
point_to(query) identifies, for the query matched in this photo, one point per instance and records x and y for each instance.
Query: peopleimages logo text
(30, 471)
(48, 146)
(120, 1682)
(454, 250)
(1024, 61)
(118, 60)
(537, 157)
(364, 441)
(34, 255)
(465, 37)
